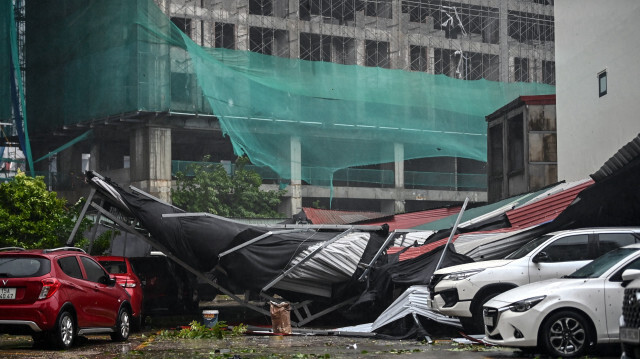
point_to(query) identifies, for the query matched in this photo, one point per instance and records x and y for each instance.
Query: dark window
(617, 277)
(611, 241)
(261, 7)
(602, 83)
(114, 267)
(21, 267)
(571, 248)
(70, 267)
(183, 24)
(419, 58)
(225, 36)
(521, 69)
(377, 54)
(549, 72)
(495, 151)
(515, 140)
(95, 273)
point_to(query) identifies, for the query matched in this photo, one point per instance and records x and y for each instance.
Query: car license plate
(630, 335)
(488, 321)
(7, 293)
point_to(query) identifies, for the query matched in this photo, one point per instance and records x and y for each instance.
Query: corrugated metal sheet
(545, 209)
(324, 216)
(474, 215)
(626, 154)
(413, 219)
(542, 206)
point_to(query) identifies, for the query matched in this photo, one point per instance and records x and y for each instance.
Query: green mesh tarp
(5, 60)
(118, 56)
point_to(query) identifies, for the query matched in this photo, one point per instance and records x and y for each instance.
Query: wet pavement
(151, 344)
(148, 344)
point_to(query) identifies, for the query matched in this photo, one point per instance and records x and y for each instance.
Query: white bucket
(210, 318)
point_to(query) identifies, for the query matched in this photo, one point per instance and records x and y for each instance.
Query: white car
(568, 316)
(461, 291)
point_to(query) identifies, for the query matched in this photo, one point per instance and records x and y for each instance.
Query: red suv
(121, 269)
(57, 294)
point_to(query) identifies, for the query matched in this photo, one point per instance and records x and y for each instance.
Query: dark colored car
(168, 288)
(121, 269)
(57, 294)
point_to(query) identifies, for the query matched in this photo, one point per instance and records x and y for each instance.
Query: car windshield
(114, 267)
(23, 267)
(527, 248)
(601, 264)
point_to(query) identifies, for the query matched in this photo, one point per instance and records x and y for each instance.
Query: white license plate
(7, 293)
(488, 321)
(630, 335)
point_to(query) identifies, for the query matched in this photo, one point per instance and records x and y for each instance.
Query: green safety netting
(5, 61)
(113, 57)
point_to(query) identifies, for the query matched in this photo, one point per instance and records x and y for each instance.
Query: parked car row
(55, 295)
(551, 293)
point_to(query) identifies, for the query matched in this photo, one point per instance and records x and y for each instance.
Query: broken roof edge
(625, 155)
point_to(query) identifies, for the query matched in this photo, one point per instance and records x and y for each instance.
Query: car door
(613, 295)
(77, 289)
(104, 304)
(561, 257)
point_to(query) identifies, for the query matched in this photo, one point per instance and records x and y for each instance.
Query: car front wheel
(123, 326)
(566, 334)
(65, 331)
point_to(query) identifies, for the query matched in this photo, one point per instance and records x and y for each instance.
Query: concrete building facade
(497, 40)
(596, 83)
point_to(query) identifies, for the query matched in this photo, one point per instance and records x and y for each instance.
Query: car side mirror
(540, 257)
(630, 275)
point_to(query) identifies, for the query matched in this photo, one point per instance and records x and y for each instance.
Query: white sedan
(567, 316)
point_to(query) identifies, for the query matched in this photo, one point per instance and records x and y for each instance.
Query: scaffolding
(497, 40)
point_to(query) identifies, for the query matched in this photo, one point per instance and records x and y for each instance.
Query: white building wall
(591, 36)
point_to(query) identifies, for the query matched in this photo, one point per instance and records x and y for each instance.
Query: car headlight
(461, 275)
(526, 304)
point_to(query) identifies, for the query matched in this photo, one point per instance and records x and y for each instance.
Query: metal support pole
(258, 238)
(375, 258)
(81, 216)
(453, 232)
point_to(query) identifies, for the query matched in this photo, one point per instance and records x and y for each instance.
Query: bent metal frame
(302, 311)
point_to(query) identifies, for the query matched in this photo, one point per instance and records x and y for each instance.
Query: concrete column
(151, 161)
(242, 28)
(94, 160)
(293, 27)
(398, 154)
(295, 204)
(361, 52)
(504, 41)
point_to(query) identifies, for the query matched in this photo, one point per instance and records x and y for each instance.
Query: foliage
(103, 242)
(33, 217)
(206, 187)
(197, 330)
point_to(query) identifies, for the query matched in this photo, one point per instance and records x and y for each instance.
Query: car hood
(545, 287)
(474, 265)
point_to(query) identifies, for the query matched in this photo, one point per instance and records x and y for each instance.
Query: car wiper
(6, 275)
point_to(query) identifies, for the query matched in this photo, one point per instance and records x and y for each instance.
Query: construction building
(110, 86)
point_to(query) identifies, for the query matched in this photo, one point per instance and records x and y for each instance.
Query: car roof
(111, 258)
(596, 229)
(19, 250)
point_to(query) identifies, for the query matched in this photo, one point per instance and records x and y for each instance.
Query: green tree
(33, 217)
(206, 187)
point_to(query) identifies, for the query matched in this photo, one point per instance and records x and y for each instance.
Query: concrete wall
(592, 36)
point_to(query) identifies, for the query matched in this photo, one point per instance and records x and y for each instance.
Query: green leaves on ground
(197, 330)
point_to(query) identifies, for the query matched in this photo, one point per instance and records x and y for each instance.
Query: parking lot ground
(149, 344)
